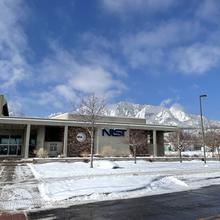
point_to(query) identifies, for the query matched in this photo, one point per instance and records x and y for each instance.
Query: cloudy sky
(158, 52)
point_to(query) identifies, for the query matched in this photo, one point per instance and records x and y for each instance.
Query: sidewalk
(18, 189)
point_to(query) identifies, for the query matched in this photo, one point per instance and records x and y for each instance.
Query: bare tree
(212, 139)
(185, 137)
(181, 140)
(137, 139)
(90, 109)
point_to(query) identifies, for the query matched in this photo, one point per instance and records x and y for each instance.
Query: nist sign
(113, 132)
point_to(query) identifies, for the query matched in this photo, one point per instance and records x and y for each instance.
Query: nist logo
(114, 132)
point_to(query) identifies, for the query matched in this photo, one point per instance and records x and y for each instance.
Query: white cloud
(150, 47)
(93, 79)
(177, 106)
(123, 6)
(198, 58)
(165, 34)
(162, 48)
(68, 75)
(66, 92)
(166, 102)
(13, 43)
(95, 41)
(15, 108)
(63, 75)
(209, 10)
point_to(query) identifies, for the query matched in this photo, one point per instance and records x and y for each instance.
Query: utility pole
(202, 125)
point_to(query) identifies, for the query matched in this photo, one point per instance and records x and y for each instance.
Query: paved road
(202, 203)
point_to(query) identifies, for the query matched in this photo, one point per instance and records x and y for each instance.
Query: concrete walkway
(18, 188)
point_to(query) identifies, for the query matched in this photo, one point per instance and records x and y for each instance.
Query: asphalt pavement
(203, 203)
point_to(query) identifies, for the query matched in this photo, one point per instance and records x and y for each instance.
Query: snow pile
(61, 170)
(168, 183)
(193, 154)
(105, 164)
(80, 169)
(77, 182)
(62, 183)
(67, 189)
(87, 186)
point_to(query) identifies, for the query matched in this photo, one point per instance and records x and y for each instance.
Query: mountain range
(158, 115)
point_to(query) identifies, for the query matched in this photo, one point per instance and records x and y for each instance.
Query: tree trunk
(92, 148)
(218, 153)
(135, 152)
(180, 154)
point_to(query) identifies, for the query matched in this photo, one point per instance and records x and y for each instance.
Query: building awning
(78, 123)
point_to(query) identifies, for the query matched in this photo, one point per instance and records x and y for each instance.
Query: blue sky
(158, 52)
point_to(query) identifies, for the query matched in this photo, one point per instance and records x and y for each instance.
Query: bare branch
(90, 109)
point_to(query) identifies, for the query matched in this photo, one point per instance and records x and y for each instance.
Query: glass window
(3, 150)
(33, 142)
(10, 145)
(13, 150)
(15, 139)
(4, 139)
(12, 140)
(19, 150)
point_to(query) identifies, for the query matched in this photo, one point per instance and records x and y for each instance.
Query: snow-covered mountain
(157, 114)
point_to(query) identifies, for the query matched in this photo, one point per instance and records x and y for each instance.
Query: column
(40, 137)
(155, 143)
(27, 140)
(178, 137)
(65, 140)
(97, 141)
(160, 143)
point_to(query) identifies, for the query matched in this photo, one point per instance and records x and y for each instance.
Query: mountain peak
(157, 114)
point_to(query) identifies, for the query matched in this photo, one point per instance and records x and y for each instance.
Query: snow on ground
(81, 169)
(76, 182)
(195, 153)
(18, 188)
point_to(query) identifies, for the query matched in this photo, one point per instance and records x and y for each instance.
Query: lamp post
(202, 125)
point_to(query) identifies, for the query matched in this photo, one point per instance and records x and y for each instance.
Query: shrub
(84, 153)
(42, 153)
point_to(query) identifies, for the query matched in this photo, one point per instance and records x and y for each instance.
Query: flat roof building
(67, 135)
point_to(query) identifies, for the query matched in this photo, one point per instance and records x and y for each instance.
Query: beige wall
(112, 145)
(53, 153)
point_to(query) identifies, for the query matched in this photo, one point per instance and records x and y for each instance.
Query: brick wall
(76, 148)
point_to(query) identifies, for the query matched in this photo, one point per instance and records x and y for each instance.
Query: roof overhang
(74, 123)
